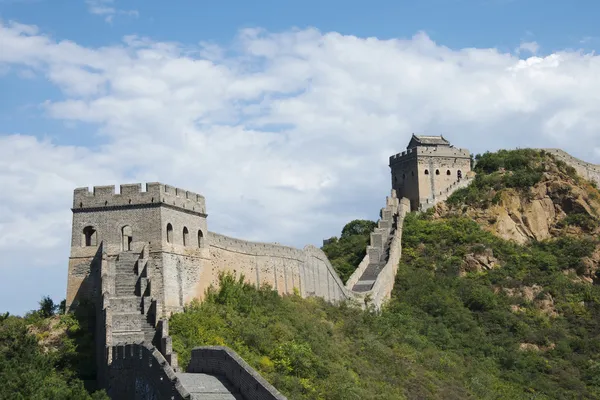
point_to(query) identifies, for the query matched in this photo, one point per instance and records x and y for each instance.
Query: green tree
(47, 307)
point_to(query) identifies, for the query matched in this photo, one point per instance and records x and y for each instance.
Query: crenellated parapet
(129, 195)
(409, 154)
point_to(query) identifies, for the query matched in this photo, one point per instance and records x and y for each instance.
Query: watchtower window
(186, 234)
(437, 171)
(89, 236)
(448, 172)
(127, 237)
(459, 174)
(403, 176)
(426, 172)
(169, 233)
(200, 239)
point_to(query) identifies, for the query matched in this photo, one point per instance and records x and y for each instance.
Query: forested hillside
(478, 311)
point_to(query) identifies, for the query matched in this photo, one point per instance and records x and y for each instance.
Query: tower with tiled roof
(429, 170)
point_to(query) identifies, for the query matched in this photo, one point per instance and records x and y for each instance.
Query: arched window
(186, 236)
(403, 176)
(127, 237)
(200, 239)
(89, 237)
(437, 171)
(169, 233)
(426, 172)
(459, 174)
(448, 172)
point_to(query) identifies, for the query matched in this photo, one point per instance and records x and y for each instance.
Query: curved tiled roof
(420, 140)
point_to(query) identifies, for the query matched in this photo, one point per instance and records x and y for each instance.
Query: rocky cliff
(561, 202)
(558, 203)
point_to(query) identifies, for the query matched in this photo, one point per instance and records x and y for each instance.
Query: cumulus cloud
(286, 134)
(106, 9)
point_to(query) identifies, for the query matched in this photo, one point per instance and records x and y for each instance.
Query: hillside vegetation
(44, 356)
(476, 313)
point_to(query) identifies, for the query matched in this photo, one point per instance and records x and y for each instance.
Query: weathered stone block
(377, 240)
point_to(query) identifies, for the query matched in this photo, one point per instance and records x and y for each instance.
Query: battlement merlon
(132, 194)
(429, 152)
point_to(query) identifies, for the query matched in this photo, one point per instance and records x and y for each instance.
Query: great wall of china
(128, 258)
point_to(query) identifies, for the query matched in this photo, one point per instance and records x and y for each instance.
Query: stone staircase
(131, 317)
(367, 279)
(141, 356)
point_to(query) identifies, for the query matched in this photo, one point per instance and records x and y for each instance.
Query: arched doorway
(127, 234)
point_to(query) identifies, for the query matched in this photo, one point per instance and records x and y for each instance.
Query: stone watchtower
(429, 170)
(152, 240)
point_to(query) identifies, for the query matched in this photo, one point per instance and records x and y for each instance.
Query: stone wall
(443, 195)
(381, 290)
(355, 277)
(284, 268)
(222, 361)
(585, 169)
(140, 372)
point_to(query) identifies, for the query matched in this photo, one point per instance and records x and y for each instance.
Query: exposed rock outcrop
(478, 261)
(544, 302)
(538, 213)
(535, 347)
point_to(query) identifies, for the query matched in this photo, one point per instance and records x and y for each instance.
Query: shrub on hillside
(29, 370)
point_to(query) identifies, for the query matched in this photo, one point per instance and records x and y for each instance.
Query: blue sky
(282, 113)
(455, 23)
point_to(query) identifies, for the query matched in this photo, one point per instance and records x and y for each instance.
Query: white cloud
(286, 134)
(530, 47)
(106, 8)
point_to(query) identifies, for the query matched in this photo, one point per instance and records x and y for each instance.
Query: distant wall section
(284, 268)
(583, 168)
